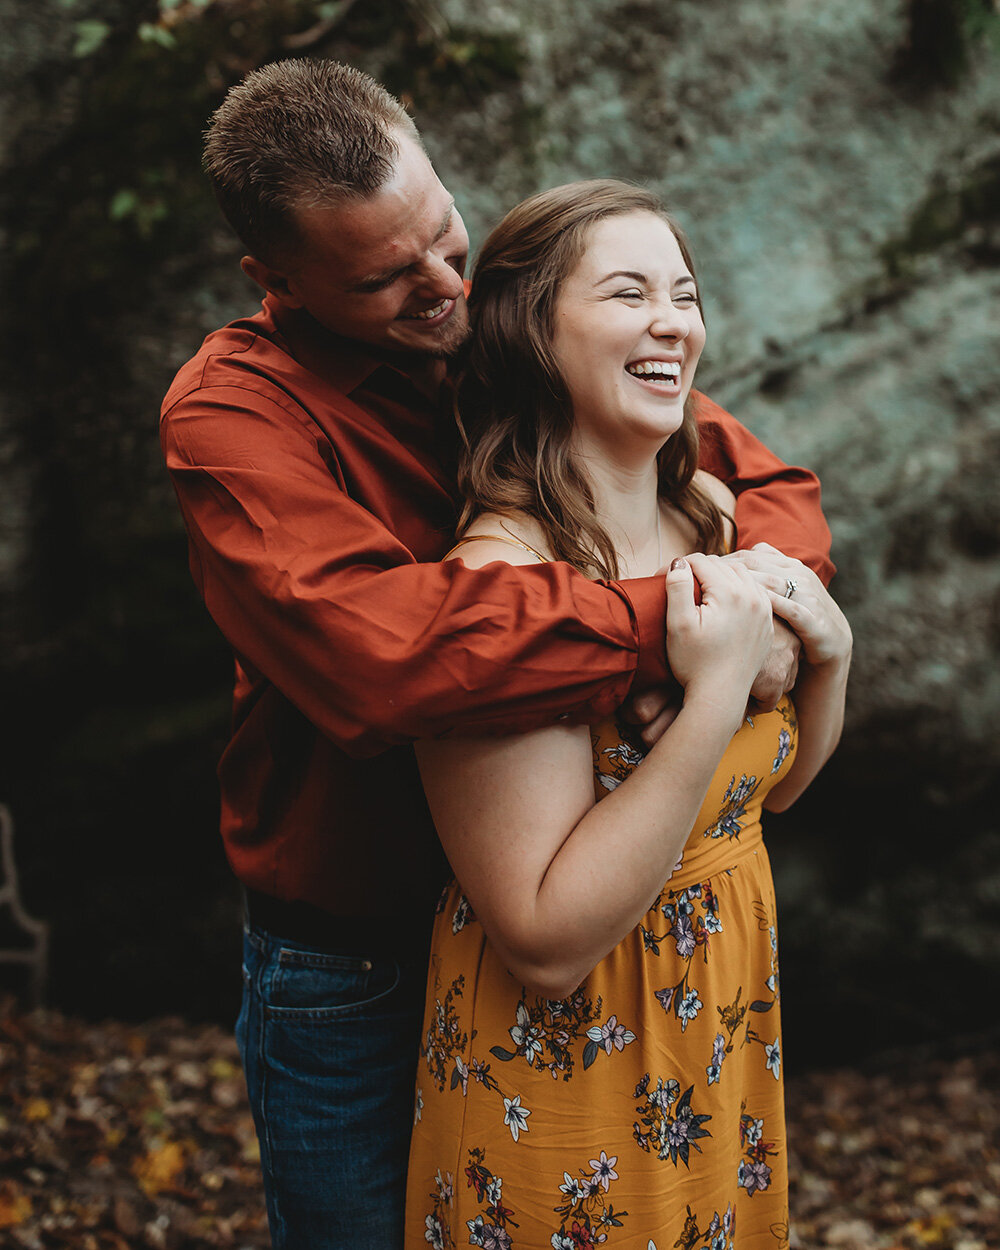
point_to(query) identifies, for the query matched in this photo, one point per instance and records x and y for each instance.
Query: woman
(602, 1048)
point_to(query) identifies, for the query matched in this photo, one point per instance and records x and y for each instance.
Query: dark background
(839, 169)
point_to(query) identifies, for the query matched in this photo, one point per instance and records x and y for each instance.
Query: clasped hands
(809, 618)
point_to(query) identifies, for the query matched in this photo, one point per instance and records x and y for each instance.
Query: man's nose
(438, 278)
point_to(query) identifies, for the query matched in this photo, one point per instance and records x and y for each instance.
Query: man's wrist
(647, 599)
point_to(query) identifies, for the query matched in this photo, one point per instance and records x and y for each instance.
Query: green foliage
(156, 32)
(459, 67)
(89, 37)
(125, 189)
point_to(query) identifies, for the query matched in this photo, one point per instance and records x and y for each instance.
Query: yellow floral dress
(646, 1109)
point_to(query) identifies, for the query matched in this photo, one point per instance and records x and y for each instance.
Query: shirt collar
(338, 361)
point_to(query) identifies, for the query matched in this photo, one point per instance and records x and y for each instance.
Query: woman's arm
(557, 880)
(819, 707)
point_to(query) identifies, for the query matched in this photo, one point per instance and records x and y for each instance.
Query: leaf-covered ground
(120, 1137)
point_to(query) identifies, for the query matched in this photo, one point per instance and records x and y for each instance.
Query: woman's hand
(809, 609)
(720, 644)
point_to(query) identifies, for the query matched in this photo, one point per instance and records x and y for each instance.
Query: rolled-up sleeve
(315, 594)
(776, 503)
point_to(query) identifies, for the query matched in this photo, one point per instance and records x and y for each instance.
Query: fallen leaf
(15, 1205)
(37, 1109)
(159, 1168)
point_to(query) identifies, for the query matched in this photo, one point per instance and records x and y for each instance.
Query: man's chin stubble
(447, 348)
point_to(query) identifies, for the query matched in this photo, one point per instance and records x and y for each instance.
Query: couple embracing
(505, 529)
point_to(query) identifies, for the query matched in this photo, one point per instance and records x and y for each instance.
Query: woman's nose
(668, 322)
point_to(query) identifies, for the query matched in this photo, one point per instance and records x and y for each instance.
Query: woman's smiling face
(627, 336)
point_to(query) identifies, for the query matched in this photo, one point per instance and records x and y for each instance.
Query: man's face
(387, 270)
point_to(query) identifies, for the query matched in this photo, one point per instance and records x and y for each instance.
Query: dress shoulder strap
(498, 538)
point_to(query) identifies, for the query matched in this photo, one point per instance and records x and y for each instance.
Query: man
(315, 472)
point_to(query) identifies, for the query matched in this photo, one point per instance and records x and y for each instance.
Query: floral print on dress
(731, 1017)
(623, 758)
(667, 1124)
(444, 1038)
(540, 1086)
(693, 916)
(718, 1235)
(786, 736)
(714, 1069)
(587, 1216)
(773, 1052)
(734, 808)
(784, 750)
(515, 1113)
(463, 915)
(489, 1228)
(515, 1116)
(437, 1225)
(773, 981)
(772, 1049)
(545, 1030)
(754, 1173)
(444, 1045)
(609, 1037)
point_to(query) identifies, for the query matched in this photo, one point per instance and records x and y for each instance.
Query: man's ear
(274, 281)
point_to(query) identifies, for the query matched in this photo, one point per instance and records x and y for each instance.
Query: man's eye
(369, 288)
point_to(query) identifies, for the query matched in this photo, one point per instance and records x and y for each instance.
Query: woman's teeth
(660, 370)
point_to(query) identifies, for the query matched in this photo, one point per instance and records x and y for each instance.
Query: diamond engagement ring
(791, 586)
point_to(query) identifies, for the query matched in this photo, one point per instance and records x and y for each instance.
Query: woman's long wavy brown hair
(513, 410)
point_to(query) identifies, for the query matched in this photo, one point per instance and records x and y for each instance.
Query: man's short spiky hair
(298, 133)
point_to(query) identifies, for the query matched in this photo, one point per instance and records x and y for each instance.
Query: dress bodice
(728, 824)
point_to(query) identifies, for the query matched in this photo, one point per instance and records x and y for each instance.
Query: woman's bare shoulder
(717, 491)
(515, 539)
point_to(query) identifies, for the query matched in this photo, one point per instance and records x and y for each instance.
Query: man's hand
(654, 711)
(780, 669)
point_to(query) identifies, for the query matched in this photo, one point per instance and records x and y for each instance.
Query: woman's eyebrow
(624, 273)
(641, 277)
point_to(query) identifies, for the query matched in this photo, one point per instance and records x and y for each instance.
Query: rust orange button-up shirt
(317, 487)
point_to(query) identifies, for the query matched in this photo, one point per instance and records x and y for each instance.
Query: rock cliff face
(837, 167)
(843, 206)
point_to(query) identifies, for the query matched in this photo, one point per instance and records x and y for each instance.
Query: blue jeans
(329, 1045)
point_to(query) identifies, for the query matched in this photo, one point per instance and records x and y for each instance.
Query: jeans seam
(304, 1174)
(278, 1233)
